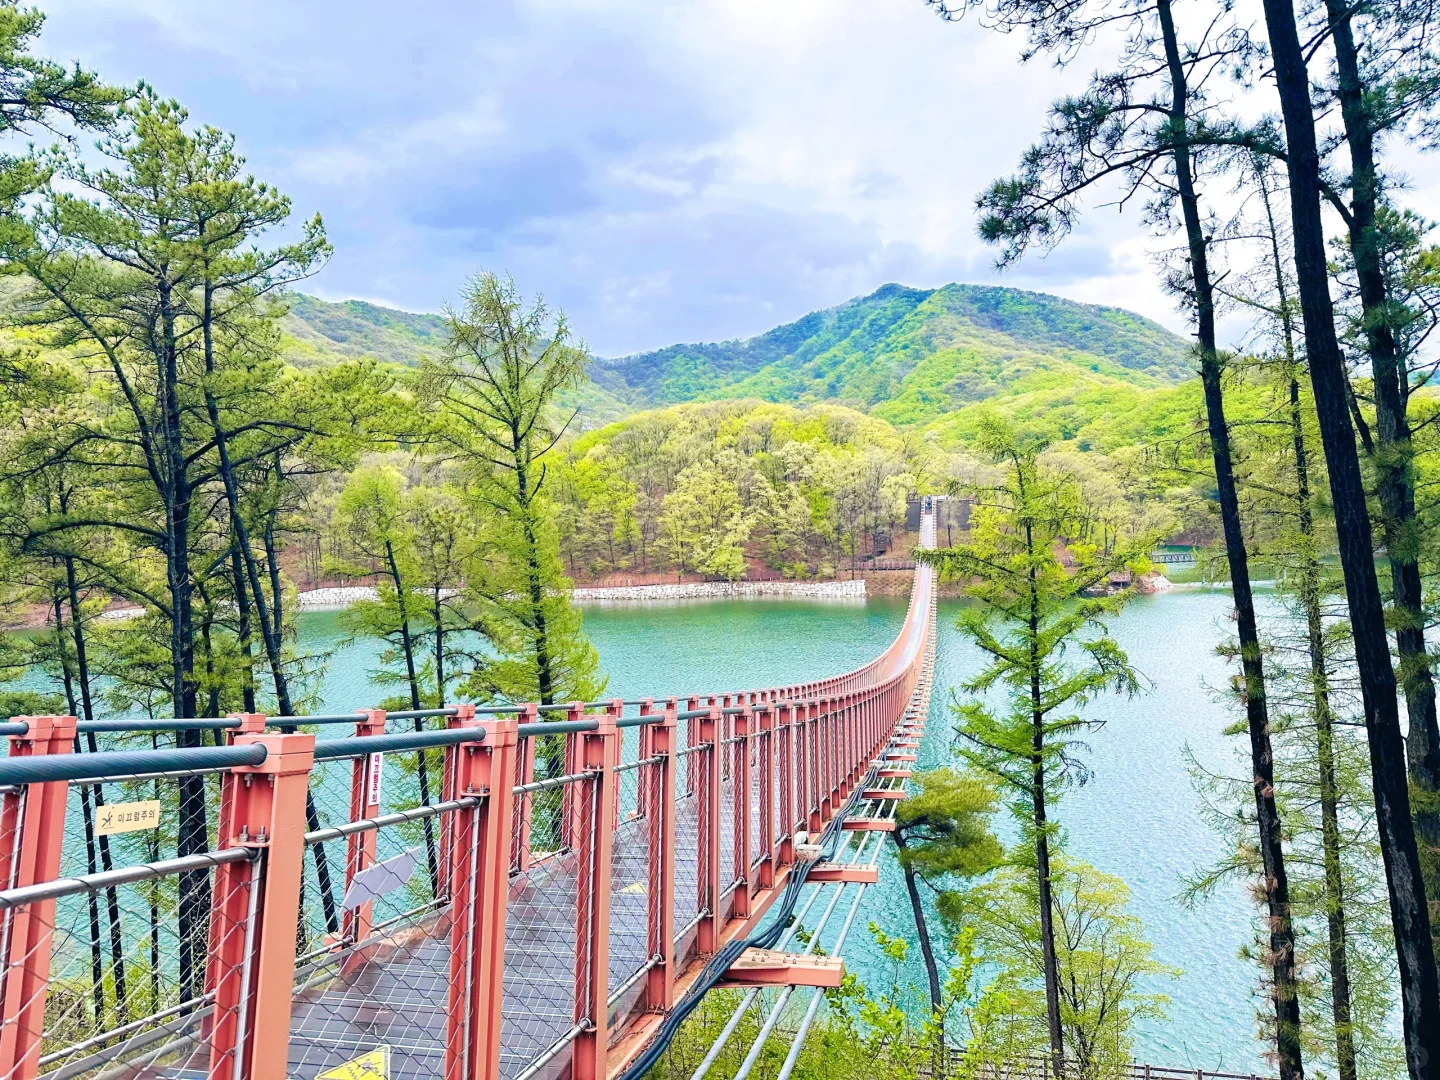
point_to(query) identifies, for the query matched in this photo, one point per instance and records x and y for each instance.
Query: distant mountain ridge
(908, 355)
(911, 354)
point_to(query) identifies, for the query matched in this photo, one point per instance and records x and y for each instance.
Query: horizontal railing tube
(100, 727)
(331, 749)
(558, 727)
(125, 875)
(41, 770)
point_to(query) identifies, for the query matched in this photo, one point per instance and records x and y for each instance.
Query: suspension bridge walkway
(465, 893)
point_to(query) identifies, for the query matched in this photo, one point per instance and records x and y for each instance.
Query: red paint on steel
(34, 821)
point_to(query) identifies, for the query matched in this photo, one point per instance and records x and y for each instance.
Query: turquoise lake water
(1136, 819)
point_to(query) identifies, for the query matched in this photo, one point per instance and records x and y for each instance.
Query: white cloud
(665, 172)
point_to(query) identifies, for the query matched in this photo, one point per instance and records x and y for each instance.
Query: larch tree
(495, 386)
(1034, 613)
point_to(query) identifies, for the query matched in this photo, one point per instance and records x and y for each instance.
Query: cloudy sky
(665, 171)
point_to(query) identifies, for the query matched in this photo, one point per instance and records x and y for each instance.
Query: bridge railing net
(128, 957)
(552, 829)
(382, 986)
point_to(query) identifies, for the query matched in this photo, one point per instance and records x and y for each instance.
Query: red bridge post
(524, 774)
(254, 909)
(365, 776)
(32, 821)
(741, 788)
(765, 767)
(708, 932)
(661, 807)
(786, 752)
(595, 753)
(478, 861)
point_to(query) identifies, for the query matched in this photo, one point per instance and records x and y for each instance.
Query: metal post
(596, 752)
(255, 905)
(692, 738)
(524, 774)
(478, 861)
(765, 765)
(742, 788)
(34, 821)
(812, 767)
(708, 932)
(574, 711)
(365, 787)
(615, 710)
(645, 777)
(660, 983)
(827, 792)
(786, 752)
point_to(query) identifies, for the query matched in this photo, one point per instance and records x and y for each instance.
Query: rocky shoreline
(716, 590)
(336, 597)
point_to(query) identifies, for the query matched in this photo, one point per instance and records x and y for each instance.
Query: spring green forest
(191, 442)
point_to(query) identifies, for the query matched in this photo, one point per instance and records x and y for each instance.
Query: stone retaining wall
(344, 596)
(711, 590)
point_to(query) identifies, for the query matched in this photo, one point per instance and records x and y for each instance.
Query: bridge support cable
(754, 992)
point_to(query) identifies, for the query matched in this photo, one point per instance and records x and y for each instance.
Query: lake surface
(1137, 819)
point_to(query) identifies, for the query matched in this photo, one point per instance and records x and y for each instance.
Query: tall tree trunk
(270, 632)
(439, 650)
(922, 929)
(407, 645)
(1420, 995)
(192, 833)
(1262, 759)
(1395, 482)
(1340, 1000)
(1310, 579)
(107, 862)
(1050, 961)
(242, 629)
(87, 820)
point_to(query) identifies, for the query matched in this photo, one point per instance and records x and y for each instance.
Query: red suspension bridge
(518, 891)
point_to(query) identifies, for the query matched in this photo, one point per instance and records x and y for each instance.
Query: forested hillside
(909, 356)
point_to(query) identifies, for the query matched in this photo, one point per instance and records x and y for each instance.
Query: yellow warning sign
(127, 817)
(374, 1065)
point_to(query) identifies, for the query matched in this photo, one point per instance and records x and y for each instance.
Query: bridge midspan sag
(501, 896)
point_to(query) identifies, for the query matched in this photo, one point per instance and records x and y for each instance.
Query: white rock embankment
(336, 597)
(716, 590)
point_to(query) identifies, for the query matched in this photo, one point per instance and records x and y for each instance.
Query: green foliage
(495, 387)
(1106, 970)
(709, 488)
(924, 352)
(1034, 611)
(945, 826)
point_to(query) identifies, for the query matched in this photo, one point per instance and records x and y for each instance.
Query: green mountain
(913, 355)
(910, 356)
(317, 331)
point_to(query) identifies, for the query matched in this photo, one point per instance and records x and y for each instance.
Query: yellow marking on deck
(374, 1065)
